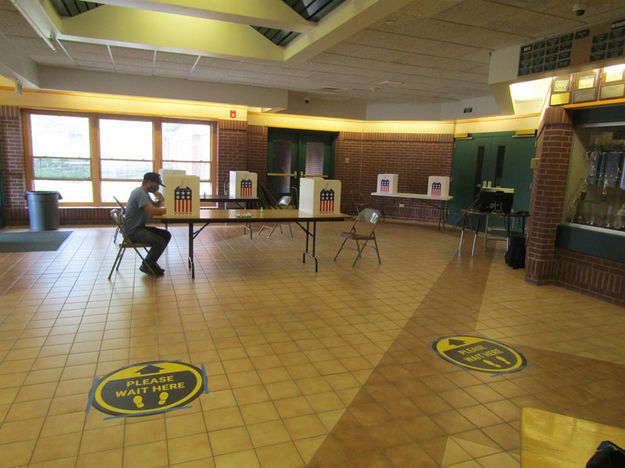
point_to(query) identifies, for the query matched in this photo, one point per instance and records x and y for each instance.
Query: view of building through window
(188, 147)
(64, 159)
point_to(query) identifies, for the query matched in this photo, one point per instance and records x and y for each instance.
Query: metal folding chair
(126, 243)
(362, 231)
(284, 203)
(123, 213)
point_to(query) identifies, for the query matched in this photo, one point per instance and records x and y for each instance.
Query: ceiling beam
(265, 13)
(36, 16)
(348, 19)
(17, 66)
(71, 79)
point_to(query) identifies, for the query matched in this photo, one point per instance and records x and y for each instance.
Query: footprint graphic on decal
(163, 398)
(138, 401)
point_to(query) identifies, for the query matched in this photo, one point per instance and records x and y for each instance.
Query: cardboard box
(387, 183)
(182, 195)
(438, 186)
(243, 184)
(319, 196)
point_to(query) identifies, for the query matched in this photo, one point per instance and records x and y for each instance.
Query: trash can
(43, 210)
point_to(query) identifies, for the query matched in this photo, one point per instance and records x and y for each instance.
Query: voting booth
(387, 183)
(165, 173)
(438, 186)
(319, 196)
(243, 184)
(182, 195)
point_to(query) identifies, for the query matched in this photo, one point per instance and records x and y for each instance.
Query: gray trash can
(43, 210)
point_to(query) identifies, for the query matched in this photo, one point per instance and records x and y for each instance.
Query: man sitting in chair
(138, 209)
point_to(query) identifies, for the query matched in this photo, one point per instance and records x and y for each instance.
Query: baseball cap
(152, 177)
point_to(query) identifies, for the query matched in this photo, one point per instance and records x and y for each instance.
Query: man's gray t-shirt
(136, 215)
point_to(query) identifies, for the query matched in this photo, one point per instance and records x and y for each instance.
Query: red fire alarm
(233, 114)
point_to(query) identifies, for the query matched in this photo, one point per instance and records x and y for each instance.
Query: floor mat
(32, 241)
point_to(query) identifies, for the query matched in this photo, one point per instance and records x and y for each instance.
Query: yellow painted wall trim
(142, 106)
(84, 102)
(595, 103)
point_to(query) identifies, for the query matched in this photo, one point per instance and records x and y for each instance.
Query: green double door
(499, 158)
(294, 154)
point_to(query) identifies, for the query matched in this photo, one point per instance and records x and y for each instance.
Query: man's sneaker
(145, 269)
(157, 268)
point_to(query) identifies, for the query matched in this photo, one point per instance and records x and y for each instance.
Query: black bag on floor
(515, 256)
(608, 455)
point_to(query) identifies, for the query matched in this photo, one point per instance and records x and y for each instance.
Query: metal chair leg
(360, 250)
(376, 250)
(340, 248)
(115, 263)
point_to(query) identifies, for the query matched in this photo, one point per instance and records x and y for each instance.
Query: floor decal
(147, 388)
(479, 354)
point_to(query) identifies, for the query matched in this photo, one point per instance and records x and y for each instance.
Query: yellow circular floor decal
(147, 388)
(480, 354)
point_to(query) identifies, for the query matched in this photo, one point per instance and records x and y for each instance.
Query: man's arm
(160, 199)
(153, 210)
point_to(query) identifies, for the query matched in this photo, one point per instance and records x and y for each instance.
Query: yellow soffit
(128, 27)
(209, 27)
(265, 13)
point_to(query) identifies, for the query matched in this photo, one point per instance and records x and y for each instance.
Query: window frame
(94, 145)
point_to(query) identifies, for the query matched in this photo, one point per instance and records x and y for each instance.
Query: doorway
(499, 158)
(293, 154)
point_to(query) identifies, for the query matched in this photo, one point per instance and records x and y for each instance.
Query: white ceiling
(366, 52)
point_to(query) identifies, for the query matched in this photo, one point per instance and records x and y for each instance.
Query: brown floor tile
(52, 448)
(268, 433)
(280, 456)
(354, 441)
(389, 434)
(409, 455)
(150, 454)
(289, 359)
(505, 435)
(245, 458)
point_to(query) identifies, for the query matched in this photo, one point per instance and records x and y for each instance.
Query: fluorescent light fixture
(530, 97)
(530, 90)
(614, 72)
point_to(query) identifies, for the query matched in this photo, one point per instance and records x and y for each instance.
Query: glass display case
(596, 183)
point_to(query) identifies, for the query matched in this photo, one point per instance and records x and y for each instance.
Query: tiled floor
(327, 369)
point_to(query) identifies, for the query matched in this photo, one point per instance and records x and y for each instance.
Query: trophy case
(596, 184)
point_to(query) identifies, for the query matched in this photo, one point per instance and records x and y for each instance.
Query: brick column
(553, 148)
(231, 150)
(13, 170)
(257, 151)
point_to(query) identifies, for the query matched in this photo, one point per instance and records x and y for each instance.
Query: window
(61, 155)
(89, 158)
(126, 153)
(189, 147)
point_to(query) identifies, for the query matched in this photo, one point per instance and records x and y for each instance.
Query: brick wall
(232, 136)
(553, 148)
(591, 275)
(414, 157)
(257, 151)
(13, 178)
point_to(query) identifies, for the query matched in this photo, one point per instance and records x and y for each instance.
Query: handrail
(294, 174)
